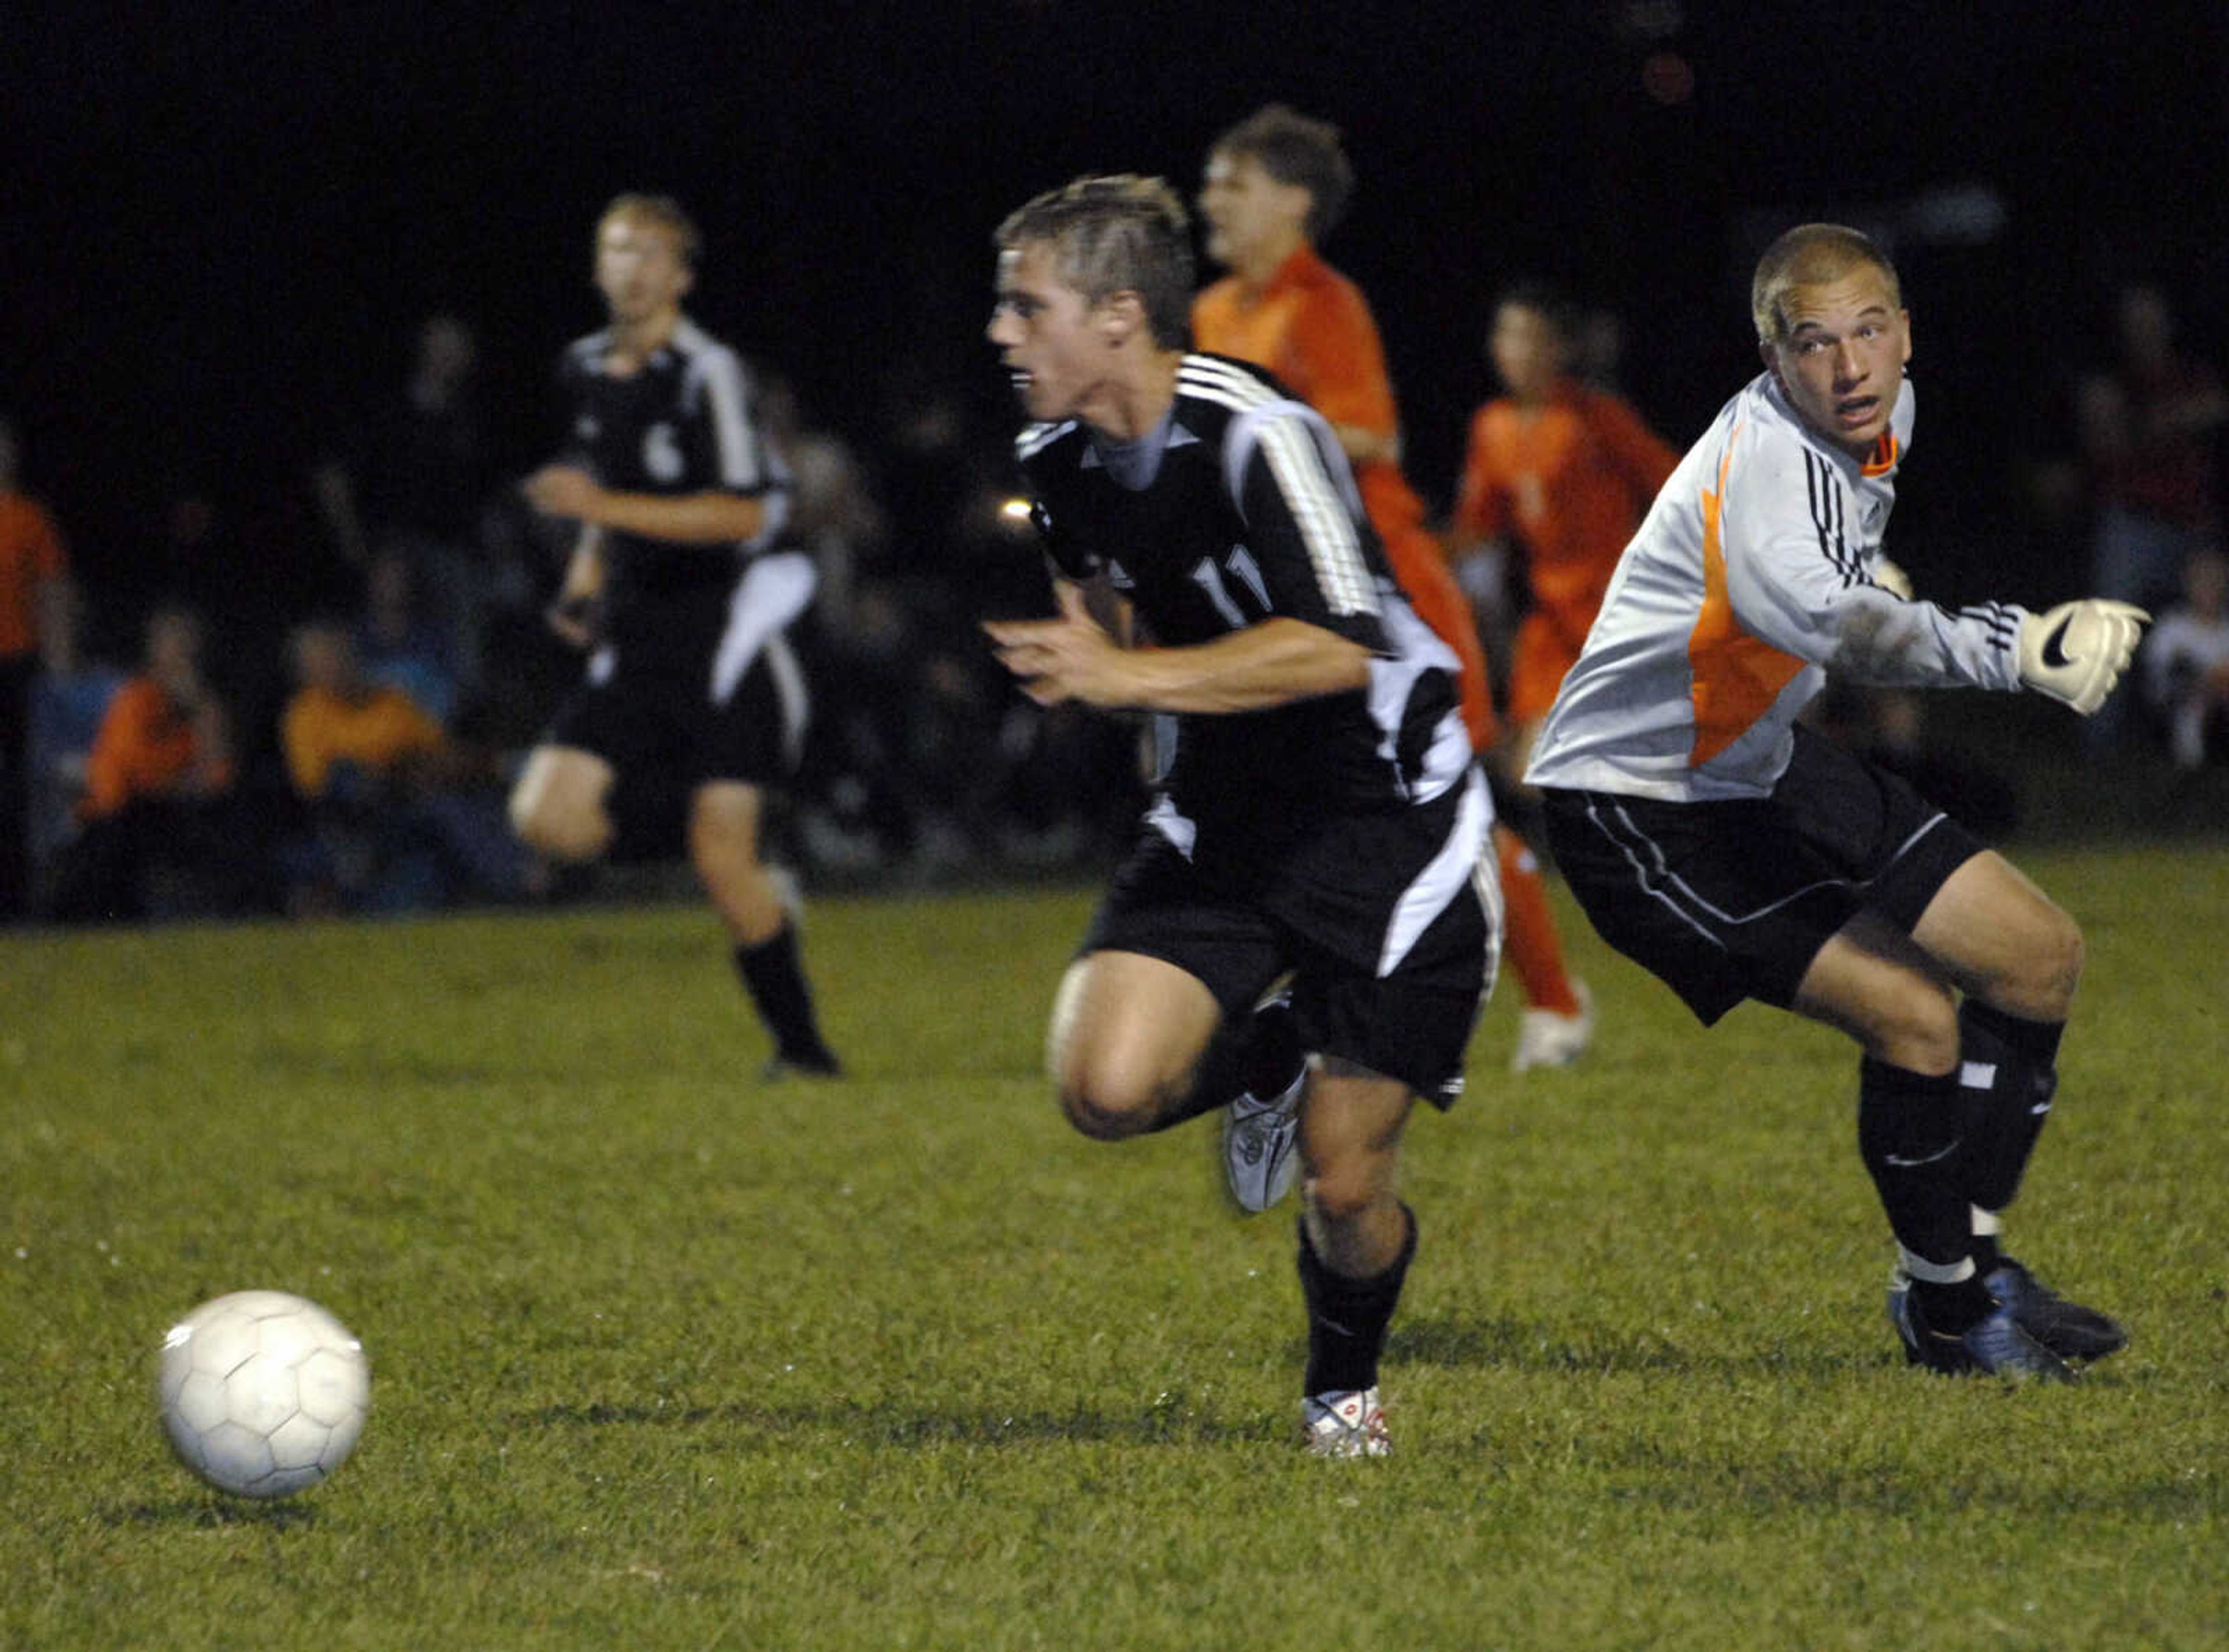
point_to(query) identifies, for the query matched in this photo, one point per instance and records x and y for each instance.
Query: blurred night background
(225, 223)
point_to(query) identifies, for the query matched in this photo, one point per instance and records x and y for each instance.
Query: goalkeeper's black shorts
(1724, 901)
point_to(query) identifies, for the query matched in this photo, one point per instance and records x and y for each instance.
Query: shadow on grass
(1539, 1345)
(1662, 1475)
(1175, 1420)
(212, 1511)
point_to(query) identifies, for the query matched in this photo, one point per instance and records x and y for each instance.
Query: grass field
(666, 1359)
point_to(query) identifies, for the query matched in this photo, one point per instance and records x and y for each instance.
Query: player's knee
(1340, 1194)
(1103, 1117)
(2051, 969)
(1109, 1102)
(560, 833)
(722, 838)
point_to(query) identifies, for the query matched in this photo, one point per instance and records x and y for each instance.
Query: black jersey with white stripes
(684, 422)
(1240, 508)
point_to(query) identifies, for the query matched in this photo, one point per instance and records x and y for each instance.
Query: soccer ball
(263, 1394)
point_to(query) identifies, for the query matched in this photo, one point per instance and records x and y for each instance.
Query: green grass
(664, 1359)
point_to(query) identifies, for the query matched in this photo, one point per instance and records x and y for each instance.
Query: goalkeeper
(1736, 853)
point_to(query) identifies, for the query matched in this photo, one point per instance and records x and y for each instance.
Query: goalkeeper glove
(2076, 651)
(1891, 579)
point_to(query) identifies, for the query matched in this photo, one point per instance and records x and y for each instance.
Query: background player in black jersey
(679, 585)
(1317, 810)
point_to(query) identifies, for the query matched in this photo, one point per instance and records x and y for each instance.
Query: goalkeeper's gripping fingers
(2076, 651)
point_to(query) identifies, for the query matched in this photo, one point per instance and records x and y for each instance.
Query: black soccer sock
(775, 977)
(1347, 1317)
(1258, 1054)
(1911, 1132)
(2009, 1072)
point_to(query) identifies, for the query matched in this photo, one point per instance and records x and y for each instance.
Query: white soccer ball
(263, 1393)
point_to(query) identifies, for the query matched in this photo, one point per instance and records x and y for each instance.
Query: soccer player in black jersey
(682, 590)
(1316, 813)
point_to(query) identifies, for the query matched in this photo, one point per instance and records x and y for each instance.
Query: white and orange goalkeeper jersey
(1751, 578)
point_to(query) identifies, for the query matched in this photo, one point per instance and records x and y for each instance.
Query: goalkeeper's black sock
(1911, 1134)
(1953, 1308)
(2008, 1073)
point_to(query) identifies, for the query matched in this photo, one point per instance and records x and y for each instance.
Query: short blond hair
(1808, 255)
(1116, 232)
(664, 211)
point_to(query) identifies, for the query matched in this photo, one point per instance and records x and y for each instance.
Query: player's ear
(1121, 315)
(1770, 355)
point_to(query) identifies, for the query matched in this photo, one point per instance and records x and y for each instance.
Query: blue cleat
(2068, 1329)
(1996, 1344)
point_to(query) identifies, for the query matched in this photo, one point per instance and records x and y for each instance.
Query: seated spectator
(2186, 664)
(399, 649)
(400, 814)
(160, 828)
(69, 698)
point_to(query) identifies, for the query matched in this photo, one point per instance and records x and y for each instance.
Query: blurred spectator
(33, 579)
(1597, 348)
(419, 482)
(2148, 427)
(398, 814)
(2186, 664)
(162, 831)
(397, 646)
(2151, 429)
(940, 709)
(69, 698)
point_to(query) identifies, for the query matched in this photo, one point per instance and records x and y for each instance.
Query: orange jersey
(145, 748)
(1312, 327)
(1570, 481)
(322, 728)
(31, 554)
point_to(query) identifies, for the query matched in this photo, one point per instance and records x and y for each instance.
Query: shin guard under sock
(1347, 1317)
(2006, 1068)
(1911, 1132)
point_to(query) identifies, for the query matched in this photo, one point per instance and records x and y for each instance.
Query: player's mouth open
(1857, 410)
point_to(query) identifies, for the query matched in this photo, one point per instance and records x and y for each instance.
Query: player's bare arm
(710, 518)
(570, 615)
(1072, 656)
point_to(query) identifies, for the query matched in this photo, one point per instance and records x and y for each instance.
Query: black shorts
(1733, 900)
(668, 725)
(1390, 924)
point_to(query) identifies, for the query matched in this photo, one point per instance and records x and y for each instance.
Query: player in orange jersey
(1562, 472)
(1275, 185)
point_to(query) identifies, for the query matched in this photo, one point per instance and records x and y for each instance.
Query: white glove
(2076, 651)
(1891, 579)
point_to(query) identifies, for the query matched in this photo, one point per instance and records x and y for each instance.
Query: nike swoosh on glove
(2076, 651)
